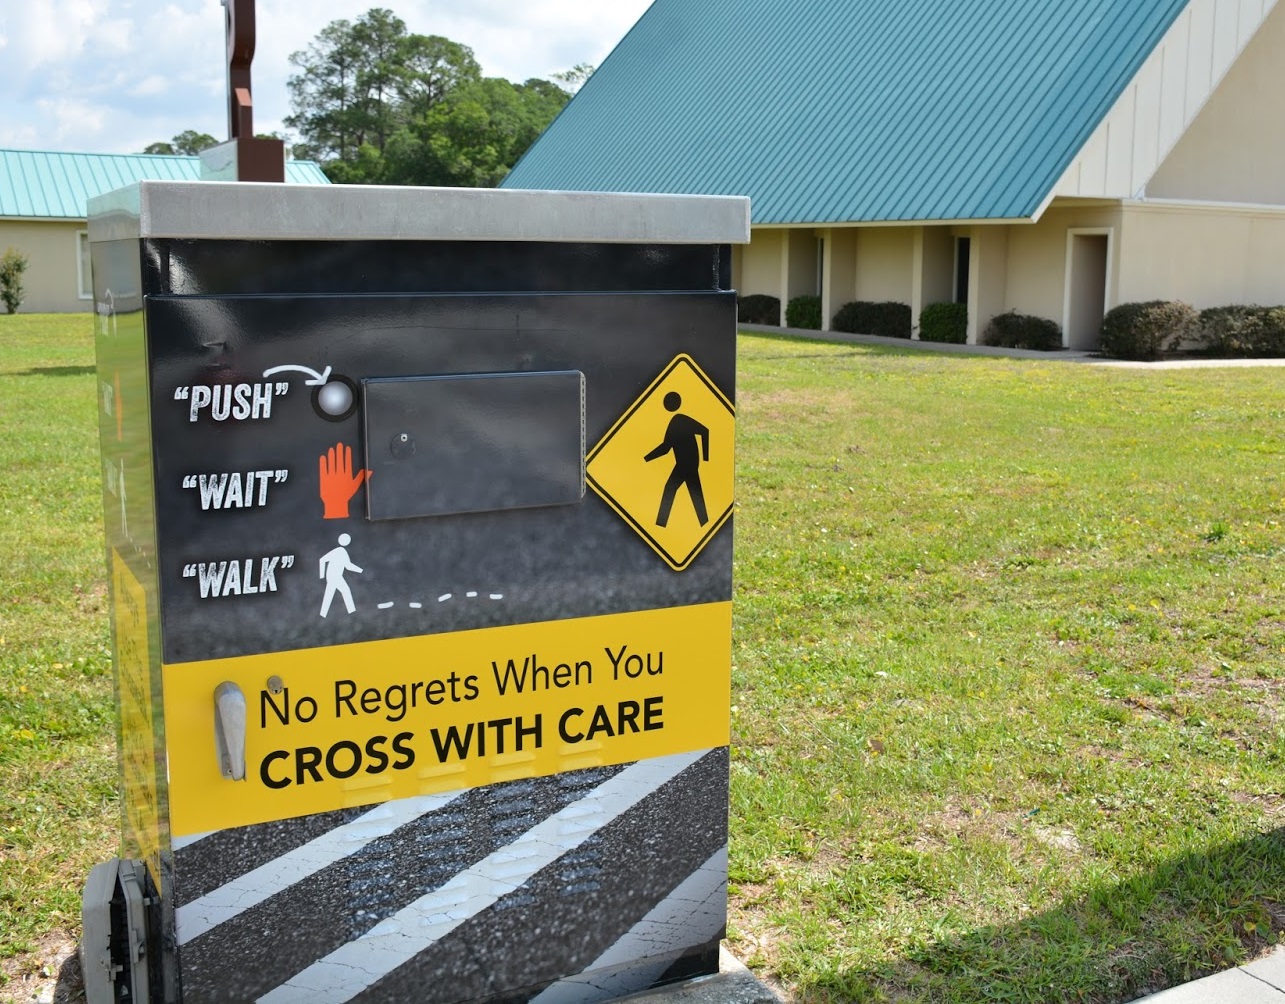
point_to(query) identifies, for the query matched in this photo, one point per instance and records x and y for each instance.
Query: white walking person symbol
(334, 563)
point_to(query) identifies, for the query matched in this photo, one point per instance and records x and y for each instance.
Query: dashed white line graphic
(471, 594)
(445, 597)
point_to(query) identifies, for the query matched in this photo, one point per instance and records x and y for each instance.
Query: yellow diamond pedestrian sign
(667, 465)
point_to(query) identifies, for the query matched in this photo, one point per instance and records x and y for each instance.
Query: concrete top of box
(206, 210)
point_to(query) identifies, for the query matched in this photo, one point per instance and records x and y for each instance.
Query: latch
(229, 730)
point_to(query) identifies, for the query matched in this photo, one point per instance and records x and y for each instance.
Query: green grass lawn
(1010, 649)
(58, 813)
(1009, 659)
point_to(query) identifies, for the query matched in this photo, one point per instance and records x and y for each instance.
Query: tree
(474, 135)
(188, 143)
(359, 81)
(573, 79)
(375, 103)
(365, 167)
(323, 93)
(432, 67)
(380, 39)
(12, 266)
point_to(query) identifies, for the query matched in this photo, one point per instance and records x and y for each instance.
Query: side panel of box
(129, 518)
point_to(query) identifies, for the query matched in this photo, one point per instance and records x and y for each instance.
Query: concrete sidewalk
(1261, 982)
(1059, 356)
(733, 984)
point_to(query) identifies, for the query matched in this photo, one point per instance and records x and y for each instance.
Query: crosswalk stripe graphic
(695, 911)
(221, 856)
(308, 920)
(571, 911)
(222, 904)
(179, 843)
(347, 971)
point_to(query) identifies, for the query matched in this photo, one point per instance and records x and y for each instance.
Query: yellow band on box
(351, 725)
(137, 729)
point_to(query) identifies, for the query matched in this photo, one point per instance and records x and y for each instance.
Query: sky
(112, 76)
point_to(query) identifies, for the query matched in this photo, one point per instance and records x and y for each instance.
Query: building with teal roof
(43, 206)
(1053, 157)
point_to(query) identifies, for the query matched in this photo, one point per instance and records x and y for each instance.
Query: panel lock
(229, 730)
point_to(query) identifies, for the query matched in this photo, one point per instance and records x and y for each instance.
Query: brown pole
(256, 159)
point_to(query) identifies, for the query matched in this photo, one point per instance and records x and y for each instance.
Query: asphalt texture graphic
(590, 883)
(345, 898)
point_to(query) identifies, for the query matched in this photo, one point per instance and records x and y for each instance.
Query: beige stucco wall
(987, 277)
(839, 284)
(759, 263)
(800, 277)
(864, 263)
(1234, 149)
(1204, 255)
(1037, 258)
(51, 278)
(1207, 257)
(938, 266)
(885, 263)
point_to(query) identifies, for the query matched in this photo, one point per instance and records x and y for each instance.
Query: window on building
(962, 248)
(85, 286)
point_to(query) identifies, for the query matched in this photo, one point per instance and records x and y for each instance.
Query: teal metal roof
(53, 185)
(829, 111)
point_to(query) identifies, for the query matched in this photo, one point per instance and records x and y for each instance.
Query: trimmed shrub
(944, 322)
(861, 317)
(1147, 330)
(1243, 331)
(804, 312)
(12, 266)
(758, 308)
(1273, 336)
(1022, 331)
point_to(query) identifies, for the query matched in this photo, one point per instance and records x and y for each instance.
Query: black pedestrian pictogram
(681, 438)
(700, 433)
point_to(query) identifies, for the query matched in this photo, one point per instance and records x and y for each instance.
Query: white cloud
(149, 86)
(114, 38)
(136, 71)
(65, 119)
(53, 31)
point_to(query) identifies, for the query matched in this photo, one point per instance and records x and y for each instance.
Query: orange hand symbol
(338, 485)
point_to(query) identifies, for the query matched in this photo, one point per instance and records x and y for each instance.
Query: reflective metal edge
(245, 211)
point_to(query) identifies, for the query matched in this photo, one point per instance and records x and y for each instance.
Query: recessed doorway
(1088, 263)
